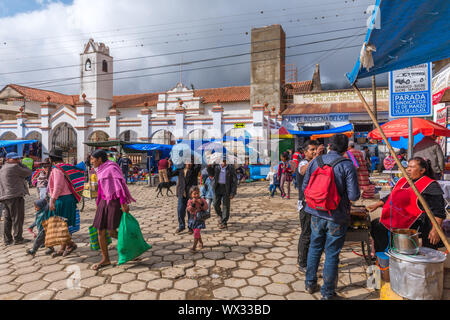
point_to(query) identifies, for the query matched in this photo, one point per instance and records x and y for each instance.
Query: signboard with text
(410, 92)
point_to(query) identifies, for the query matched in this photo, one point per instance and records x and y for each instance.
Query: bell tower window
(105, 66)
(88, 65)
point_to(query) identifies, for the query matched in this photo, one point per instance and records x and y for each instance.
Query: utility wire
(165, 36)
(192, 62)
(190, 51)
(34, 57)
(258, 12)
(202, 68)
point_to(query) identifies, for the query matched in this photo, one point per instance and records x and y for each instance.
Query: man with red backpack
(330, 183)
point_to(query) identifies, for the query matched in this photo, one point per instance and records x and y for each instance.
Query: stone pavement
(255, 258)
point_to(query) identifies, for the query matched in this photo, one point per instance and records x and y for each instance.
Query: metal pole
(397, 161)
(374, 97)
(410, 138)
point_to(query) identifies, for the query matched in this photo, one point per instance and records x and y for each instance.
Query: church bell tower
(97, 78)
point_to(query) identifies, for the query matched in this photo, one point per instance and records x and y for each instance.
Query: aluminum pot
(405, 241)
(419, 277)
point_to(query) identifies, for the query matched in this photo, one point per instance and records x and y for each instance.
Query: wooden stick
(397, 161)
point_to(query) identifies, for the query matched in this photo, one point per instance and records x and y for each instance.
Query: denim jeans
(329, 237)
(182, 204)
(272, 189)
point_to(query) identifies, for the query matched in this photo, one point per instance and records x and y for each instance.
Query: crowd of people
(329, 180)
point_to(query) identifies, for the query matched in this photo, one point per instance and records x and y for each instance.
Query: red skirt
(108, 215)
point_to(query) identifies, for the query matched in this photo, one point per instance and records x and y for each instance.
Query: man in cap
(12, 191)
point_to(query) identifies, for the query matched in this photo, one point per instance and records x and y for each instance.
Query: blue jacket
(207, 191)
(347, 185)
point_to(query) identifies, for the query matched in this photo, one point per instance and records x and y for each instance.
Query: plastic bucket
(383, 264)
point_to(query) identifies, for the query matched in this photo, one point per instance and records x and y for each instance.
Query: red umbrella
(399, 128)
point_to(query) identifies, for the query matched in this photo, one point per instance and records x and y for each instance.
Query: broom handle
(397, 161)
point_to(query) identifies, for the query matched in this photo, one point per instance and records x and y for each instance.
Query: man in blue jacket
(328, 229)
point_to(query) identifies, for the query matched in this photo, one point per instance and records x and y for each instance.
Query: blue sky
(10, 8)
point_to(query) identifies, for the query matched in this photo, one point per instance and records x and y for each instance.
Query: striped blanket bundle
(35, 176)
(75, 177)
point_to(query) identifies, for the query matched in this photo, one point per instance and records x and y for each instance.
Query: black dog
(164, 185)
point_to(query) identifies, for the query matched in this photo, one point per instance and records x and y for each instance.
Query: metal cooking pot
(405, 241)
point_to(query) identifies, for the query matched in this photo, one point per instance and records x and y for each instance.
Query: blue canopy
(148, 146)
(409, 32)
(346, 128)
(8, 143)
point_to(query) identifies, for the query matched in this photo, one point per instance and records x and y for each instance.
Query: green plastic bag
(93, 238)
(130, 242)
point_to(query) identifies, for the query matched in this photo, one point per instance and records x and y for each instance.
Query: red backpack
(321, 192)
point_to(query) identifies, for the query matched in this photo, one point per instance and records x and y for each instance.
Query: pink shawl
(112, 184)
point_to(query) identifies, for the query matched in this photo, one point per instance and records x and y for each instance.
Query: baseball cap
(12, 155)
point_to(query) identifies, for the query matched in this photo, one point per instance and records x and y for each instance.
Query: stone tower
(97, 78)
(267, 66)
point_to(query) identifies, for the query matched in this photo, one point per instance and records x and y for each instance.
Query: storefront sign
(441, 83)
(239, 125)
(317, 118)
(410, 92)
(338, 96)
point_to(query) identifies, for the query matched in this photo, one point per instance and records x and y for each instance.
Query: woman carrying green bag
(113, 198)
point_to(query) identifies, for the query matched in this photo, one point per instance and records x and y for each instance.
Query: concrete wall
(267, 72)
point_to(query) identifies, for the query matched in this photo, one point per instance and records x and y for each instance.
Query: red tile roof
(41, 95)
(298, 87)
(136, 100)
(225, 94)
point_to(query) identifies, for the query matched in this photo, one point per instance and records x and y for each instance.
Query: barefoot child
(194, 205)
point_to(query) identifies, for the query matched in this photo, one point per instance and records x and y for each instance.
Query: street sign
(410, 92)
(239, 125)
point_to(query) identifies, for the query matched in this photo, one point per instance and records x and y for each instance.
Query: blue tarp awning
(346, 128)
(148, 146)
(8, 143)
(405, 33)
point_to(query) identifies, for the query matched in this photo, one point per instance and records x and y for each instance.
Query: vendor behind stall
(402, 210)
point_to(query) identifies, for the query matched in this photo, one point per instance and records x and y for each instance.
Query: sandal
(99, 266)
(69, 250)
(58, 253)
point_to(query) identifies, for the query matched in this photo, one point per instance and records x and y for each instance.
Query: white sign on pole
(410, 92)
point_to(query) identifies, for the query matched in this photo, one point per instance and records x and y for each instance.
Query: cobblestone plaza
(255, 258)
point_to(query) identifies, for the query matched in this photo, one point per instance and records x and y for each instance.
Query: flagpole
(402, 169)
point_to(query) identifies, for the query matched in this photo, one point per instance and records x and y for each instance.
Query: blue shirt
(222, 175)
(346, 180)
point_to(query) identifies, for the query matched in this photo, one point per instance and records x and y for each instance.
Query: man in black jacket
(225, 185)
(187, 177)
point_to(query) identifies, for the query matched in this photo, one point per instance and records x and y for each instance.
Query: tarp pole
(403, 171)
(410, 138)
